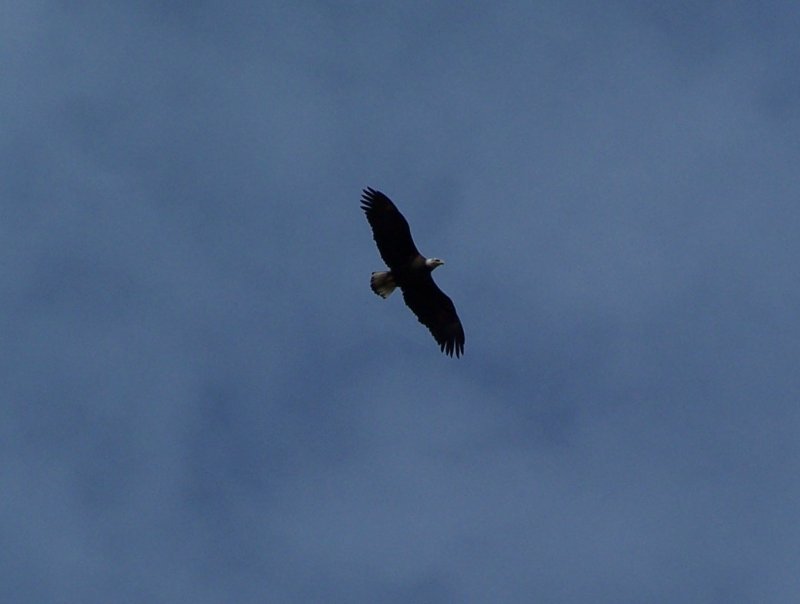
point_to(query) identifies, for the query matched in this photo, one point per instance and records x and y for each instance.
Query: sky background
(202, 400)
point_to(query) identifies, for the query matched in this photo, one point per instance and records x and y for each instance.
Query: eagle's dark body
(411, 272)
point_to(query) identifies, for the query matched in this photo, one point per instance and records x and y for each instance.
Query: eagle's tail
(382, 283)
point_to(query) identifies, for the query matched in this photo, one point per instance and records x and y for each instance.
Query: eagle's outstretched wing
(436, 311)
(389, 229)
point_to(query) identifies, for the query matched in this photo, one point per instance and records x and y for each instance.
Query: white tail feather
(382, 283)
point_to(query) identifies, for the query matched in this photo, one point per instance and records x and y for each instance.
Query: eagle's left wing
(436, 311)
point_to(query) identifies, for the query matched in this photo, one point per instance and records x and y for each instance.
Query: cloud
(203, 399)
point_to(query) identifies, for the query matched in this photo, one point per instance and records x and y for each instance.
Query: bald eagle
(411, 272)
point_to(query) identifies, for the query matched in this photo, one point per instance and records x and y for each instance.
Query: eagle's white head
(432, 263)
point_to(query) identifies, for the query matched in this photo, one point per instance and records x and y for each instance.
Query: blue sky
(203, 401)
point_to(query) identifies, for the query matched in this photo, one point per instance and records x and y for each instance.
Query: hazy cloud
(203, 400)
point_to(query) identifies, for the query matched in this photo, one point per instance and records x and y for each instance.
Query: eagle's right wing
(389, 229)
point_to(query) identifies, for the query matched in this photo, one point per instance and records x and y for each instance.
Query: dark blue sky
(202, 400)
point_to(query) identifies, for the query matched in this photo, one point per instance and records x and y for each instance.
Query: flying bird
(411, 272)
